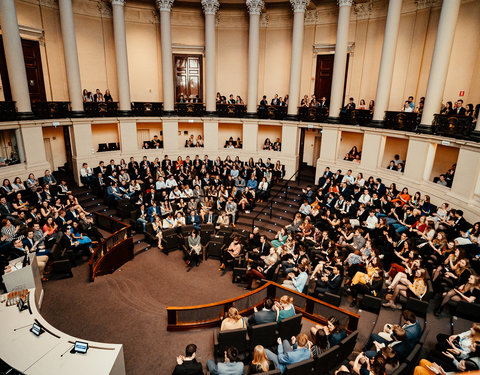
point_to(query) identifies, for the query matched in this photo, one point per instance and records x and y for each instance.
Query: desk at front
(39, 355)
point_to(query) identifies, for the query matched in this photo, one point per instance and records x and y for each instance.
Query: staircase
(283, 210)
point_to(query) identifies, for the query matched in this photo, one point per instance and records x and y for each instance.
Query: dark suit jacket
(460, 111)
(188, 368)
(413, 332)
(4, 211)
(262, 316)
(69, 216)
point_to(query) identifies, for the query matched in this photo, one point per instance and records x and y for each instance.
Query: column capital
(299, 5)
(118, 2)
(210, 6)
(345, 3)
(165, 5)
(254, 6)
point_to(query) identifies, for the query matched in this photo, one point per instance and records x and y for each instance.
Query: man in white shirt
(160, 184)
(371, 221)
(87, 174)
(348, 178)
(365, 197)
(171, 183)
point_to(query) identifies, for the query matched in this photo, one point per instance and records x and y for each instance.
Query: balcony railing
(190, 109)
(95, 109)
(46, 110)
(147, 109)
(443, 125)
(401, 120)
(453, 126)
(7, 111)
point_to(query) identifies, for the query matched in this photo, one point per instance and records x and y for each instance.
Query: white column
(440, 61)
(121, 55)
(14, 57)
(71, 55)
(340, 62)
(254, 9)
(385, 75)
(210, 8)
(21, 151)
(165, 6)
(299, 7)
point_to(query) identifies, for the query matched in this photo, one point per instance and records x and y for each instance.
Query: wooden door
(188, 76)
(33, 66)
(323, 76)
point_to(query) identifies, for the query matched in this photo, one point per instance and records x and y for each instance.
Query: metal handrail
(270, 202)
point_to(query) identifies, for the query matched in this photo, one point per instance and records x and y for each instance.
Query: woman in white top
(359, 180)
(233, 320)
(262, 190)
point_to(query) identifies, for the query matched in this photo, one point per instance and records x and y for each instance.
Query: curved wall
(94, 32)
(426, 155)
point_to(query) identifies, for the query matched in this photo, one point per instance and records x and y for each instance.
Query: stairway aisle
(283, 210)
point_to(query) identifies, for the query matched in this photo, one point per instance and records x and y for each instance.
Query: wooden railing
(210, 315)
(362, 117)
(190, 109)
(95, 109)
(7, 111)
(147, 108)
(452, 125)
(114, 251)
(401, 120)
(231, 110)
(273, 112)
(313, 114)
(46, 110)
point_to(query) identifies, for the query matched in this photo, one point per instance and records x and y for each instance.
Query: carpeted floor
(129, 307)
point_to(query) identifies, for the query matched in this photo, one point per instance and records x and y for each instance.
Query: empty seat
(371, 303)
(233, 337)
(347, 345)
(300, 368)
(290, 327)
(263, 334)
(417, 306)
(327, 360)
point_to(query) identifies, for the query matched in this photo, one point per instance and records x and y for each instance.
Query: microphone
(16, 329)
(67, 351)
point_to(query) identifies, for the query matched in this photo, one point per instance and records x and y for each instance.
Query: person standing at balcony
(460, 110)
(275, 100)
(107, 96)
(231, 99)
(263, 102)
(96, 95)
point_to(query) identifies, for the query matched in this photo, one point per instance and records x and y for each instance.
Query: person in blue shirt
(297, 283)
(229, 367)
(252, 183)
(288, 354)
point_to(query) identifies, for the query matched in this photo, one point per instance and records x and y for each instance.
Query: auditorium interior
(239, 187)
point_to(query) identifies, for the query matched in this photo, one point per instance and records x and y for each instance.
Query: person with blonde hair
(456, 347)
(298, 351)
(233, 320)
(469, 292)
(260, 362)
(285, 308)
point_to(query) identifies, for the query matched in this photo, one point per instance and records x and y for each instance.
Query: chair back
(411, 358)
(263, 334)
(215, 246)
(327, 360)
(186, 229)
(417, 306)
(347, 345)
(271, 372)
(300, 368)
(400, 370)
(233, 337)
(289, 327)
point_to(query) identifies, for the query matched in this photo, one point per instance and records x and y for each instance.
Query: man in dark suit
(326, 174)
(193, 219)
(208, 163)
(275, 100)
(71, 215)
(209, 218)
(188, 365)
(266, 315)
(322, 103)
(330, 283)
(6, 209)
(111, 167)
(264, 102)
(100, 169)
(399, 343)
(460, 110)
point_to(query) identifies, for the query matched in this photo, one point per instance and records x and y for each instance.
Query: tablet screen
(36, 329)
(81, 347)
